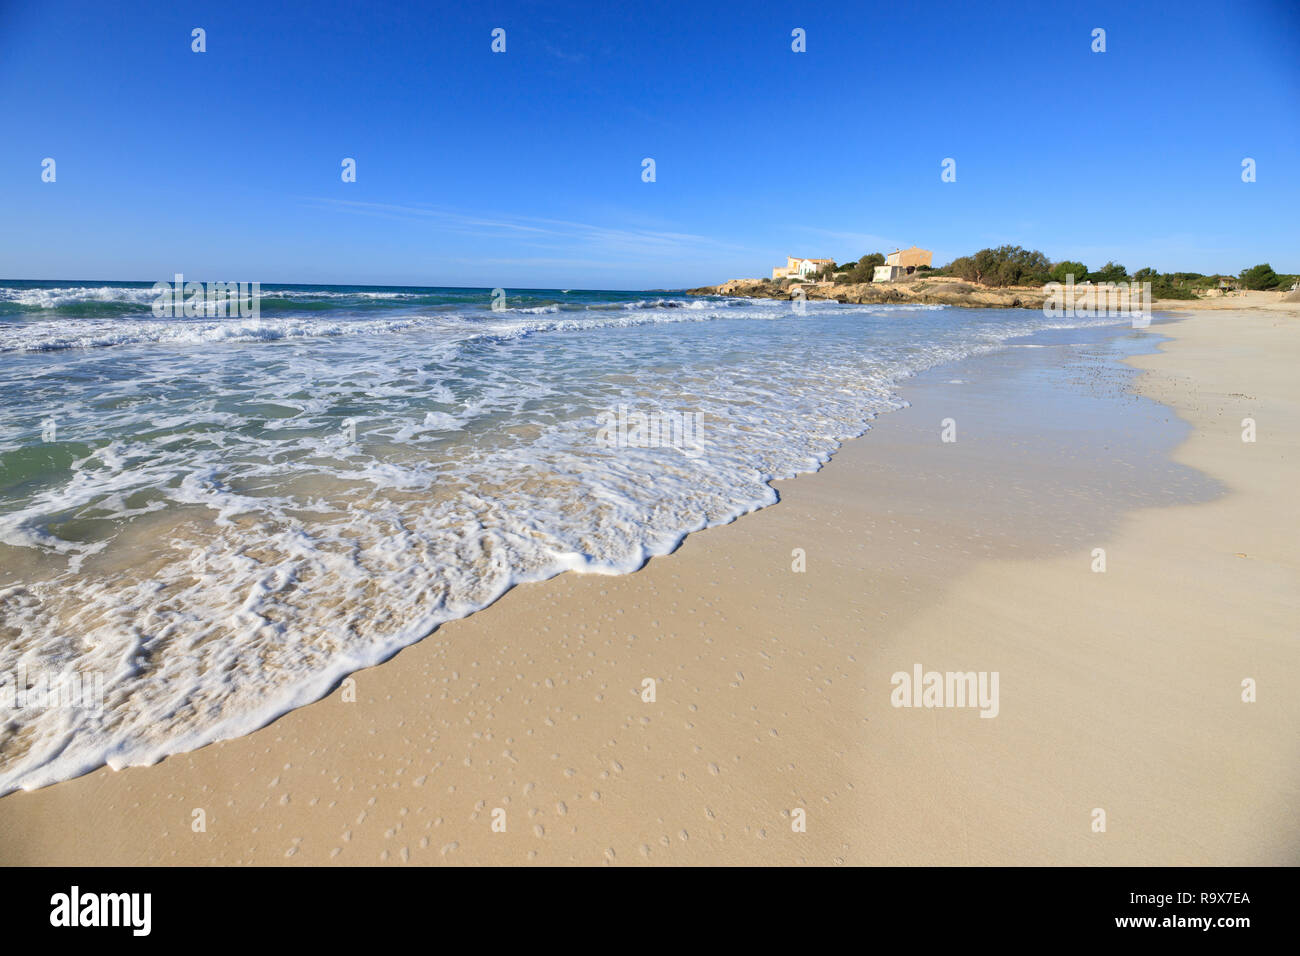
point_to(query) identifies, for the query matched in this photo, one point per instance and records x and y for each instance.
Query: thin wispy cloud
(548, 233)
(856, 244)
(568, 57)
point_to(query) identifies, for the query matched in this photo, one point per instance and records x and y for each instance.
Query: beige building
(794, 266)
(902, 262)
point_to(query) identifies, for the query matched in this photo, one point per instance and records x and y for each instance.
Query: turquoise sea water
(223, 516)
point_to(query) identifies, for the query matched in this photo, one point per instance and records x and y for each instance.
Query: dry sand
(1118, 690)
(1275, 301)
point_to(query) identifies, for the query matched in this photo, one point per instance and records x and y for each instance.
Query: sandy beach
(1119, 691)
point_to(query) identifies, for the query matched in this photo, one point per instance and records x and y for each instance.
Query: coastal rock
(928, 291)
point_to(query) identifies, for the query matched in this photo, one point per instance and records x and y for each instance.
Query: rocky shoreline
(935, 291)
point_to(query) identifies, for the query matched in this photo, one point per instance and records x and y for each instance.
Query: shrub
(1161, 288)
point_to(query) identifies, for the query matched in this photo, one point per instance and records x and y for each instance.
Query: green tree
(1006, 265)
(1110, 272)
(864, 268)
(962, 267)
(1259, 277)
(1068, 268)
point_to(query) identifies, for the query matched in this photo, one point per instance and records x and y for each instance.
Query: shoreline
(504, 704)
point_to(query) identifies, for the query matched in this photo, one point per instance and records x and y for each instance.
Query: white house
(794, 266)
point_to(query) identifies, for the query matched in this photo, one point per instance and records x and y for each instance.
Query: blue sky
(524, 168)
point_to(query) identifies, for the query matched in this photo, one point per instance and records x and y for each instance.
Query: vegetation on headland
(1015, 266)
(1003, 277)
